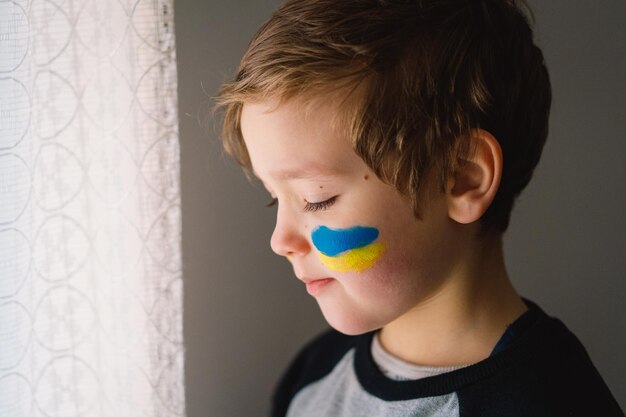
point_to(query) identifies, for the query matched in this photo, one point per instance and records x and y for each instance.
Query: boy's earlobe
(473, 185)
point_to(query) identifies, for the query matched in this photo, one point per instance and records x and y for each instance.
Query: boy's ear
(473, 185)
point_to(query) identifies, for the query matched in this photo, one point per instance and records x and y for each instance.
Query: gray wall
(245, 314)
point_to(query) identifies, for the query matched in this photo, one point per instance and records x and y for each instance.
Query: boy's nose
(288, 238)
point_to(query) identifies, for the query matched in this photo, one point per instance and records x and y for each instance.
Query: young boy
(394, 137)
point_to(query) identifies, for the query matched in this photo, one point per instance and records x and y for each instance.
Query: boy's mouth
(315, 286)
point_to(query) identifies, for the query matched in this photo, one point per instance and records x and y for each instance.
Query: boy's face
(353, 239)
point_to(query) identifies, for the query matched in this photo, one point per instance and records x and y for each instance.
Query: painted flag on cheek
(347, 250)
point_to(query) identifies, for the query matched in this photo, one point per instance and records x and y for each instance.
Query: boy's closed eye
(321, 205)
(310, 206)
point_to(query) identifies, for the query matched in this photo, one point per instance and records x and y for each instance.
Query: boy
(394, 137)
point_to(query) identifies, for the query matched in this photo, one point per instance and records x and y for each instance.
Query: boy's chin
(348, 324)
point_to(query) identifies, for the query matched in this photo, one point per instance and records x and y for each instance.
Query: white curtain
(90, 263)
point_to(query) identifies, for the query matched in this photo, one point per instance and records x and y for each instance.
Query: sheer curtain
(90, 263)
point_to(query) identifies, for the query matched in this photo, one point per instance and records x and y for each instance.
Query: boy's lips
(314, 286)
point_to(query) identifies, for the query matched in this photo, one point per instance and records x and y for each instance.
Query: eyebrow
(303, 173)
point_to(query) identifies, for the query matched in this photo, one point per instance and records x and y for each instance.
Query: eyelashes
(309, 207)
(322, 205)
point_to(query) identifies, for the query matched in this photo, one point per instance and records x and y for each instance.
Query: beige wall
(245, 314)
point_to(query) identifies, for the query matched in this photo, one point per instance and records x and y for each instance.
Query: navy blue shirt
(538, 368)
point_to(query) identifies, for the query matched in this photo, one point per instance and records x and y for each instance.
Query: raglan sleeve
(313, 362)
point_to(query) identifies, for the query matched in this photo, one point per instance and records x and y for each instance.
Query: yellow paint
(355, 260)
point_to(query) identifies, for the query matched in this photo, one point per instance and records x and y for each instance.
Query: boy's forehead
(285, 145)
(289, 121)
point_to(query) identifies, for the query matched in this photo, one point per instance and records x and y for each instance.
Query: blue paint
(332, 242)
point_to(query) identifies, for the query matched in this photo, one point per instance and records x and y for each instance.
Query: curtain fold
(90, 262)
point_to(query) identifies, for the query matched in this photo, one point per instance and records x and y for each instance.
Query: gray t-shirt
(399, 370)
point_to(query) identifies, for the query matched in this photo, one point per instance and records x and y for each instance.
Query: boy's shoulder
(544, 372)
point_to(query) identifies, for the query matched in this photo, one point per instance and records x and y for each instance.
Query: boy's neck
(462, 322)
